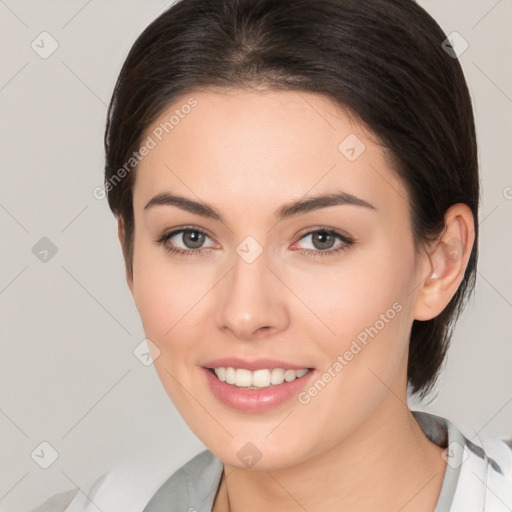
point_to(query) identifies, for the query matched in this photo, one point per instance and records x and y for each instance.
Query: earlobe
(447, 262)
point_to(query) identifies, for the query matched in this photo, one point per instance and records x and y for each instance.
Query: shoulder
(125, 487)
(479, 467)
(72, 499)
(485, 475)
(58, 502)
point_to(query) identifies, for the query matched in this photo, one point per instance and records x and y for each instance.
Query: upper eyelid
(176, 231)
(315, 229)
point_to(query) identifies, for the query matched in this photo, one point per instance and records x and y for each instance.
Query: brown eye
(323, 240)
(186, 241)
(193, 239)
(322, 243)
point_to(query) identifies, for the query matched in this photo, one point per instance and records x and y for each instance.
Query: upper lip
(256, 364)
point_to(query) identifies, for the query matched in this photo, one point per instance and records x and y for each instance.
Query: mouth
(255, 386)
(257, 379)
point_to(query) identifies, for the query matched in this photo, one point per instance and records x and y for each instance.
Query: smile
(258, 390)
(264, 378)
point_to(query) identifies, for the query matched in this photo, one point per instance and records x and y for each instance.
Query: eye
(185, 241)
(191, 240)
(323, 242)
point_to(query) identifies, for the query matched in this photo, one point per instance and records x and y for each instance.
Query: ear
(446, 263)
(121, 236)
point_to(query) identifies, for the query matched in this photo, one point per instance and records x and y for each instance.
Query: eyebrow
(299, 207)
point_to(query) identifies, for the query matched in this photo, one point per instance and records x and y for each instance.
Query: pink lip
(254, 400)
(257, 364)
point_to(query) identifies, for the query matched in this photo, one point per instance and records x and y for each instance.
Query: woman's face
(264, 284)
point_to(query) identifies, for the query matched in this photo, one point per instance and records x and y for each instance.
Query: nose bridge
(251, 299)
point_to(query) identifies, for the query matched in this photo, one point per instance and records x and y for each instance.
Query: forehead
(252, 148)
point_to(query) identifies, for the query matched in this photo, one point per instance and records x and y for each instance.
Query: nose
(252, 302)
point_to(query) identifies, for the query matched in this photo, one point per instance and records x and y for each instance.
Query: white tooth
(261, 378)
(221, 373)
(277, 376)
(243, 377)
(289, 375)
(230, 375)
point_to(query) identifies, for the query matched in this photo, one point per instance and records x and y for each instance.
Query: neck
(388, 464)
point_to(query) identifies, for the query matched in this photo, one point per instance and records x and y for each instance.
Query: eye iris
(193, 239)
(323, 240)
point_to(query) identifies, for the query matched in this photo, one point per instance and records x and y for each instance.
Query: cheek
(354, 295)
(168, 299)
(362, 313)
(165, 292)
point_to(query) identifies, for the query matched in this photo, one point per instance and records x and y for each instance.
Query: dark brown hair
(382, 60)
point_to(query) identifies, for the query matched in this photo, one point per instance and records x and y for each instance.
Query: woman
(296, 186)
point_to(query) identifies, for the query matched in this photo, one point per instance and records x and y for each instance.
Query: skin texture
(247, 153)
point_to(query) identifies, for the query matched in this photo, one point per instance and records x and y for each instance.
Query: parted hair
(382, 60)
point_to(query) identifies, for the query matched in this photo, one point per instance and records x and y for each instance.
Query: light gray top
(478, 477)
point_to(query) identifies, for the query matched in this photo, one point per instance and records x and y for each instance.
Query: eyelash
(347, 243)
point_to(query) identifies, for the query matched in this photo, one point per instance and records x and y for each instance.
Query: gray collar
(192, 488)
(443, 433)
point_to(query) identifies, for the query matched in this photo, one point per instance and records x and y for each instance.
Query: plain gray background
(69, 376)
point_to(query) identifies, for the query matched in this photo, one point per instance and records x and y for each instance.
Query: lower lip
(255, 400)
